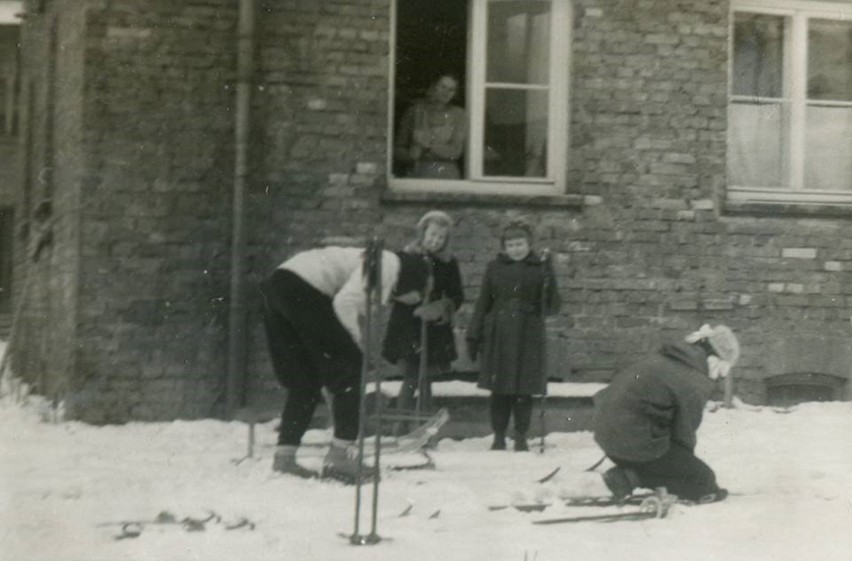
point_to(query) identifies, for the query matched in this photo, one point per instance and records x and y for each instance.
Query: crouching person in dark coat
(312, 304)
(647, 418)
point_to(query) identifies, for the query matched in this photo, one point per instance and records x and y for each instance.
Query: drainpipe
(236, 379)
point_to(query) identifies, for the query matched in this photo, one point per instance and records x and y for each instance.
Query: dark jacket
(648, 406)
(508, 324)
(403, 333)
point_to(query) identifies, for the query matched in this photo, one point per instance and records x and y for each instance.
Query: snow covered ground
(66, 487)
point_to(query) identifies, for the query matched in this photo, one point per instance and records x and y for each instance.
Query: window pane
(830, 60)
(828, 148)
(757, 144)
(758, 55)
(431, 48)
(518, 44)
(515, 133)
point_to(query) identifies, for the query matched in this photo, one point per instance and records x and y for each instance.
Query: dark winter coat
(507, 326)
(403, 333)
(648, 406)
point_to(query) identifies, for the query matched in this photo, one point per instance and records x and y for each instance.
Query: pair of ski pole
(372, 272)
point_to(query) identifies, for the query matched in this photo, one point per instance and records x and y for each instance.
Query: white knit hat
(721, 338)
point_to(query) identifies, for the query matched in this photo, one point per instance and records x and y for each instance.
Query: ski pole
(424, 345)
(377, 293)
(541, 420)
(545, 290)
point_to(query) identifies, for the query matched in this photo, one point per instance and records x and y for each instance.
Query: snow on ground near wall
(61, 482)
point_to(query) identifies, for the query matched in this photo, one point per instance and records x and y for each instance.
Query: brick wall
(650, 256)
(142, 147)
(156, 216)
(141, 183)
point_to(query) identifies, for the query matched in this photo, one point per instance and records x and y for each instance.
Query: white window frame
(795, 92)
(557, 152)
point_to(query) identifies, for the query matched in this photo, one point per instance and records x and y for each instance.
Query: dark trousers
(299, 410)
(679, 470)
(310, 348)
(503, 406)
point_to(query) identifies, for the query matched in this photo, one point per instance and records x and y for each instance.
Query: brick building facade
(130, 109)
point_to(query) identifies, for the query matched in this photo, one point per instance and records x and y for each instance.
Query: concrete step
(567, 408)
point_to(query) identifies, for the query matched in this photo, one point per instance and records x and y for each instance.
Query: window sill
(484, 199)
(786, 203)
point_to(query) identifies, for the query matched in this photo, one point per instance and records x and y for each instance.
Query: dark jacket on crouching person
(646, 421)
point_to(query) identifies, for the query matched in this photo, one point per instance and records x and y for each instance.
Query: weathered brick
(646, 256)
(799, 252)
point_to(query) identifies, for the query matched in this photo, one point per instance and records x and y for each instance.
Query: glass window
(480, 96)
(757, 141)
(790, 107)
(828, 117)
(759, 55)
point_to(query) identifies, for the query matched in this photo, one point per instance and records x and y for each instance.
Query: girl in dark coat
(647, 418)
(403, 335)
(518, 290)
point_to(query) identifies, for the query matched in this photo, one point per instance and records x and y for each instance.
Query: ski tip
(549, 476)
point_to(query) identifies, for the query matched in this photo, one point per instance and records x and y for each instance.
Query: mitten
(430, 312)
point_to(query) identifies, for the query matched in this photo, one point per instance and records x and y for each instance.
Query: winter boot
(621, 482)
(521, 444)
(499, 442)
(341, 463)
(718, 495)
(284, 461)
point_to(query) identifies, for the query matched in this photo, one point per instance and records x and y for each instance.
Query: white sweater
(336, 272)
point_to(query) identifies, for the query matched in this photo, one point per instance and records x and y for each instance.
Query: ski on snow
(636, 507)
(576, 500)
(654, 505)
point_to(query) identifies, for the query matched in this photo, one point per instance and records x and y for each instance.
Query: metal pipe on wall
(235, 383)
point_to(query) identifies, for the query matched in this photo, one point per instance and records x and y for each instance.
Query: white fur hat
(721, 338)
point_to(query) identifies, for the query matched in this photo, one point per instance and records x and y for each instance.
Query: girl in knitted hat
(647, 418)
(403, 340)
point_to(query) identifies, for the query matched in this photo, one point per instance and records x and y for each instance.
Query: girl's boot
(499, 442)
(284, 461)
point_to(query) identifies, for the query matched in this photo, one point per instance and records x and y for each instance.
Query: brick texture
(136, 291)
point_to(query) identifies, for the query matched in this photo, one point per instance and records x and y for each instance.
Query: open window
(505, 129)
(790, 102)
